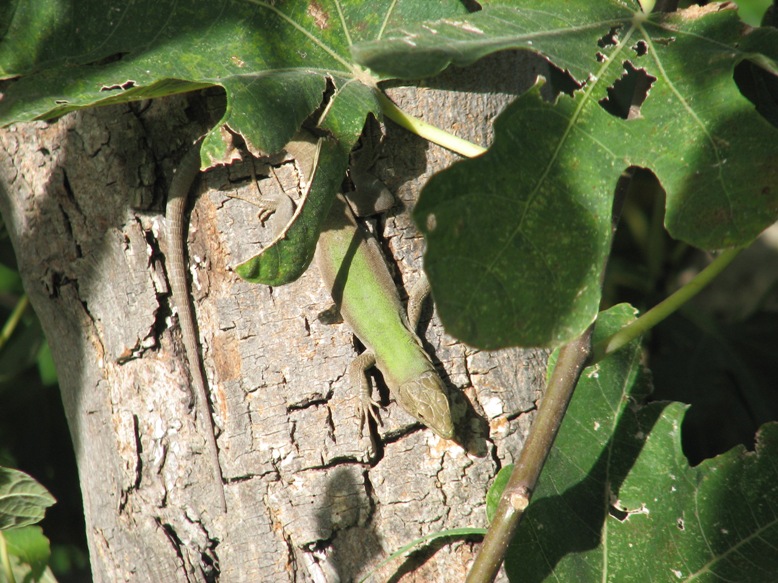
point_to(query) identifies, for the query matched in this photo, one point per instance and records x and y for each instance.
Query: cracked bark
(308, 497)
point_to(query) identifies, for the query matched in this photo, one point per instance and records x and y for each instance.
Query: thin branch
(518, 492)
(664, 308)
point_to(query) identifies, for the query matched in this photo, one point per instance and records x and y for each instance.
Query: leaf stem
(647, 5)
(13, 320)
(664, 308)
(428, 131)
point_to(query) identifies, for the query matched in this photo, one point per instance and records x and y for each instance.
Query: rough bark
(308, 497)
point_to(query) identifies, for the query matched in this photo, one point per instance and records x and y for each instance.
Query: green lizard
(353, 268)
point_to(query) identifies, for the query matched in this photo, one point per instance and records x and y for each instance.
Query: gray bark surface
(309, 499)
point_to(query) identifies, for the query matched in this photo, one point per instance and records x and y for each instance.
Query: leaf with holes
(618, 501)
(277, 62)
(517, 238)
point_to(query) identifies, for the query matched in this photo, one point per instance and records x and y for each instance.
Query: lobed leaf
(517, 238)
(618, 501)
(273, 59)
(278, 62)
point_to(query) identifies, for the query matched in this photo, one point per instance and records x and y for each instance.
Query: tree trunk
(308, 497)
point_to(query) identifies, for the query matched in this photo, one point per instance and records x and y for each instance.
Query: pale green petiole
(663, 309)
(428, 131)
(647, 5)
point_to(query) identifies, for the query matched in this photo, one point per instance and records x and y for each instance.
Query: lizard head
(426, 399)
